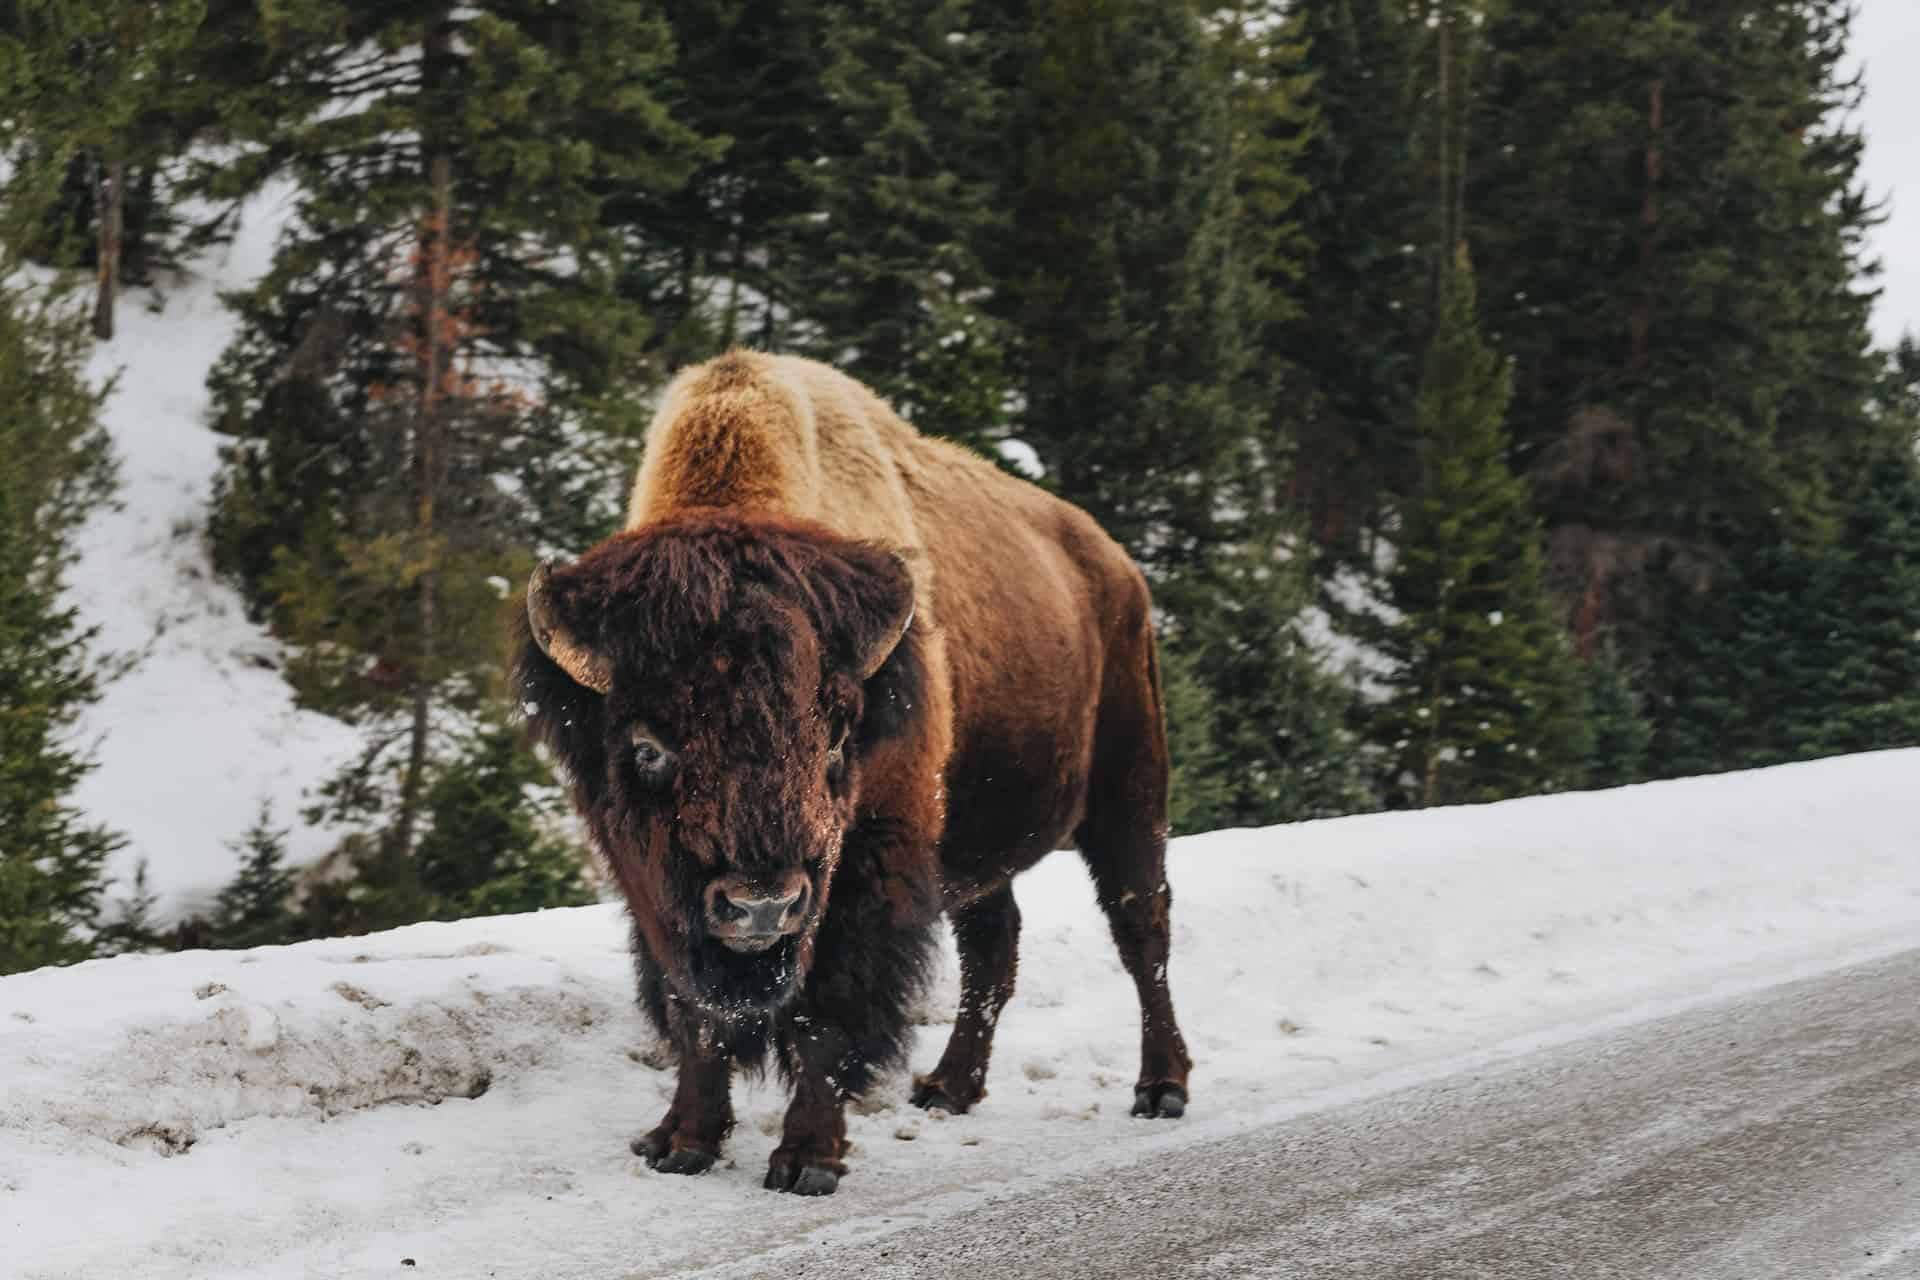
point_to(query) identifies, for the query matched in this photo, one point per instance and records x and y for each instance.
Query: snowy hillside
(202, 730)
(461, 1095)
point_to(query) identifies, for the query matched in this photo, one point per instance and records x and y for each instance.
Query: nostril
(797, 903)
(722, 909)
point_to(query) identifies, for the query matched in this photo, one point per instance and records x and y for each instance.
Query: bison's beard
(728, 981)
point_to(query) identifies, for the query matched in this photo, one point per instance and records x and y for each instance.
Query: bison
(834, 679)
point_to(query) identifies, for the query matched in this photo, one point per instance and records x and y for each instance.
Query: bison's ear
(873, 622)
(872, 610)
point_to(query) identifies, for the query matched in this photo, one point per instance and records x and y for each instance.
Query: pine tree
(1271, 121)
(432, 379)
(845, 213)
(1363, 292)
(488, 847)
(255, 908)
(1125, 301)
(134, 927)
(52, 861)
(1276, 741)
(1859, 621)
(1809, 649)
(882, 270)
(1274, 122)
(1668, 209)
(491, 849)
(710, 255)
(1485, 700)
(1622, 733)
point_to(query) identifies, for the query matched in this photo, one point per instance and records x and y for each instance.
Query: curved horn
(589, 669)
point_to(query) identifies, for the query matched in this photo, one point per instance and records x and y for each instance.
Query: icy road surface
(461, 1095)
(1773, 1135)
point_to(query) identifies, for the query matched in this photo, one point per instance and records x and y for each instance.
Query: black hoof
(1160, 1101)
(814, 1181)
(810, 1180)
(929, 1096)
(686, 1161)
(660, 1156)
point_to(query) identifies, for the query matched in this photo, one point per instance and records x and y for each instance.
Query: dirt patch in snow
(365, 999)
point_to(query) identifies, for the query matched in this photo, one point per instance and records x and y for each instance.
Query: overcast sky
(1886, 38)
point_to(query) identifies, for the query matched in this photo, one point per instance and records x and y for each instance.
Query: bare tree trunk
(434, 283)
(110, 205)
(1464, 62)
(1456, 55)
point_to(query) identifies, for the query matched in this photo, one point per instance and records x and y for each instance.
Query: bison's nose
(749, 915)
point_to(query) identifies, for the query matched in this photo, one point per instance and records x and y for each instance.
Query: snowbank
(461, 1094)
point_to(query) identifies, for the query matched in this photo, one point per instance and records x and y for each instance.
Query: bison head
(713, 687)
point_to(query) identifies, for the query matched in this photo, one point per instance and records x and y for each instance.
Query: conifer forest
(1485, 386)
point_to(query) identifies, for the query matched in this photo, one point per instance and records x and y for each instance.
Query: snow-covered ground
(201, 730)
(461, 1095)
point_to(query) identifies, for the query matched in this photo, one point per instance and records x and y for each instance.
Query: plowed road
(1775, 1134)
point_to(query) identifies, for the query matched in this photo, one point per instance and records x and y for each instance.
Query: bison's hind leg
(1130, 877)
(1124, 843)
(987, 934)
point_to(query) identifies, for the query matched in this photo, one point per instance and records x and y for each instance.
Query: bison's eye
(650, 757)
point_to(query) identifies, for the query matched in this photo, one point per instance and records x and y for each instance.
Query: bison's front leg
(688, 1139)
(808, 1161)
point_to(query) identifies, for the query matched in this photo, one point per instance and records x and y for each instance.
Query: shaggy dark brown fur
(738, 744)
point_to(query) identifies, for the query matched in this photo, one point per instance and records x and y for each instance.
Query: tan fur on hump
(780, 434)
